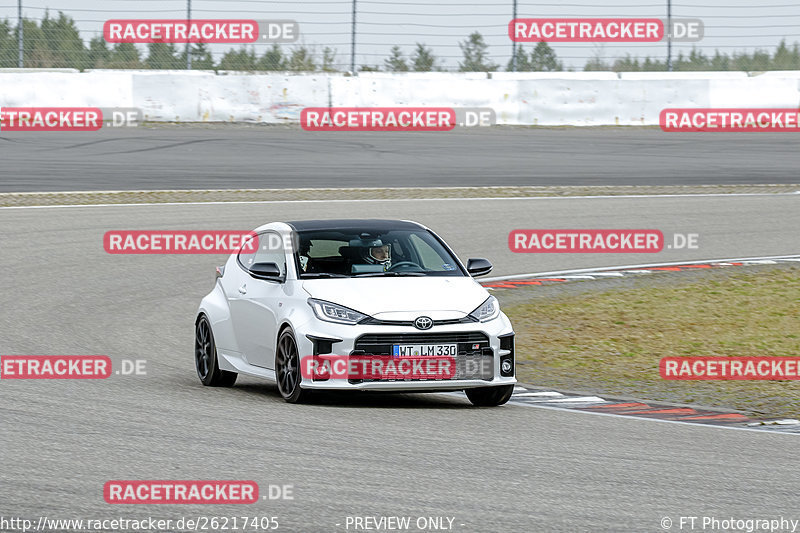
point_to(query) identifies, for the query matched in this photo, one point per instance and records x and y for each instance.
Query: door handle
(243, 289)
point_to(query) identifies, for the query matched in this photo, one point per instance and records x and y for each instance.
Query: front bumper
(407, 386)
(319, 337)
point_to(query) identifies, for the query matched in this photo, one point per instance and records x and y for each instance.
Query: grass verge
(611, 341)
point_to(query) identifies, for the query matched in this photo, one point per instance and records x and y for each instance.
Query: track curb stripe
(646, 410)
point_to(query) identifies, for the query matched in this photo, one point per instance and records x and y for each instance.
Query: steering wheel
(404, 263)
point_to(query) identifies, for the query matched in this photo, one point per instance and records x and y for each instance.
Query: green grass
(611, 342)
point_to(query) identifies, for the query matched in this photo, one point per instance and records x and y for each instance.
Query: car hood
(402, 298)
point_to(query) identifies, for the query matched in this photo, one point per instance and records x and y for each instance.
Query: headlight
(331, 312)
(487, 311)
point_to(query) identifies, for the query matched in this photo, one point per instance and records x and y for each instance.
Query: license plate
(410, 350)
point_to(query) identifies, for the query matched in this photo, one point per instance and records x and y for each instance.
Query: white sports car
(380, 305)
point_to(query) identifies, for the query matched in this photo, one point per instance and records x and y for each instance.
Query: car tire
(490, 396)
(205, 357)
(287, 368)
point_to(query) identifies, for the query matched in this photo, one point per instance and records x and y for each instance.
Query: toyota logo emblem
(423, 322)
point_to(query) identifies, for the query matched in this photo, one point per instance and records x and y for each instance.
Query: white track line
(783, 422)
(641, 268)
(258, 202)
(576, 399)
(439, 188)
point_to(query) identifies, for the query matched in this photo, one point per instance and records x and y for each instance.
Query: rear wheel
(205, 358)
(490, 396)
(287, 368)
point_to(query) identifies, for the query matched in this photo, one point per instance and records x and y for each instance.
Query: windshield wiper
(377, 274)
(322, 275)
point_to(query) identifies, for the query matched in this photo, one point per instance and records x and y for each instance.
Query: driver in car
(379, 255)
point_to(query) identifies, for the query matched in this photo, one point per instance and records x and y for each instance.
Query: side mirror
(478, 267)
(267, 271)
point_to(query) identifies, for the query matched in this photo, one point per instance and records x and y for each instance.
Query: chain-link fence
(400, 35)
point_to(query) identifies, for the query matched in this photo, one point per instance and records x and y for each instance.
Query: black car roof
(369, 224)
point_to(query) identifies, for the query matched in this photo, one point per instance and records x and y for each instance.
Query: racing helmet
(374, 252)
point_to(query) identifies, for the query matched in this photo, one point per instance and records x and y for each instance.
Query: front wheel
(287, 369)
(490, 396)
(205, 358)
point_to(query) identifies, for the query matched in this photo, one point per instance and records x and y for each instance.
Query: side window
(398, 252)
(270, 250)
(428, 257)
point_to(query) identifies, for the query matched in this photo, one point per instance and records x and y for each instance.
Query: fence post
(20, 33)
(353, 41)
(669, 35)
(188, 44)
(514, 42)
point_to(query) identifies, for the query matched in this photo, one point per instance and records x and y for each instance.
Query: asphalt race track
(509, 469)
(263, 157)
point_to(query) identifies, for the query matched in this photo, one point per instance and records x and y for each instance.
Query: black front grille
(475, 358)
(469, 337)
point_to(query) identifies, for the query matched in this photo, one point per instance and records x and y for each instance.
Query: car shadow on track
(384, 400)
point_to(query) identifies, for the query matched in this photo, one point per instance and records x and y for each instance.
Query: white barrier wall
(66, 89)
(617, 102)
(546, 99)
(267, 98)
(755, 92)
(413, 92)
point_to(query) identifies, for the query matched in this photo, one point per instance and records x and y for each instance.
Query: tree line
(56, 43)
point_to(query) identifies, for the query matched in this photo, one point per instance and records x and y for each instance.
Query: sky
(730, 25)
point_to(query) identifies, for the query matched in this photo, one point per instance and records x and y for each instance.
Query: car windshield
(367, 253)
